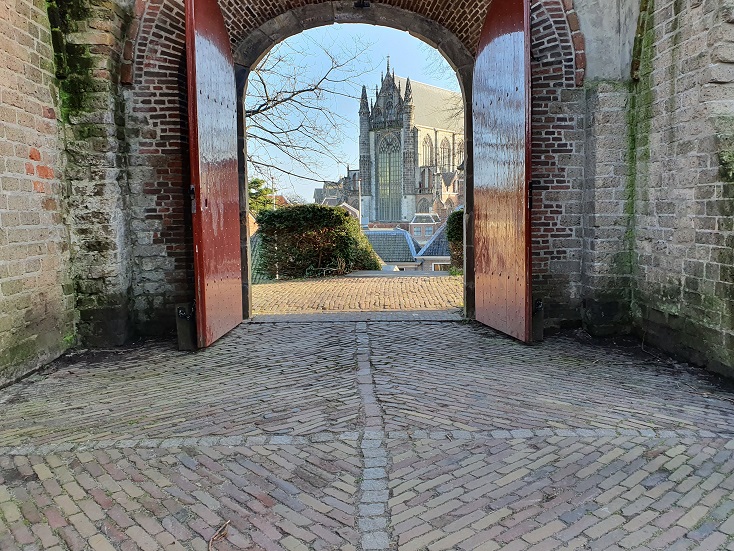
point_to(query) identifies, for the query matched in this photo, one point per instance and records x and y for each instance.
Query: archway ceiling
(463, 18)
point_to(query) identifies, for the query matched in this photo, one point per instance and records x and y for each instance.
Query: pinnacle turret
(408, 91)
(364, 104)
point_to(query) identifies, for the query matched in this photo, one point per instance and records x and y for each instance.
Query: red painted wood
(213, 146)
(502, 140)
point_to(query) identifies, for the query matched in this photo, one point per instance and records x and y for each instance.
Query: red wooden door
(213, 146)
(501, 115)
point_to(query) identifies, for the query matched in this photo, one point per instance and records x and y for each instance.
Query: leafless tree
(437, 66)
(290, 110)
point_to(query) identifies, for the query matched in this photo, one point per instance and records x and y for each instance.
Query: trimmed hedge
(312, 240)
(455, 235)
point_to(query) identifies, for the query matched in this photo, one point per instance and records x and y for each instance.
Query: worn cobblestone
(359, 294)
(366, 435)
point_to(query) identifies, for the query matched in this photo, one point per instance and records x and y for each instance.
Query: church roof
(435, 107)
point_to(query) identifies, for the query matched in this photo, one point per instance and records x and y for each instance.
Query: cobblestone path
(349, 434)
(359, 294)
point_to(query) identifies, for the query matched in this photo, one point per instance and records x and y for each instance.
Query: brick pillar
(607, 275)
(88, 52)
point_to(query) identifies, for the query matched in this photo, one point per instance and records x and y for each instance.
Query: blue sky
(409, 56)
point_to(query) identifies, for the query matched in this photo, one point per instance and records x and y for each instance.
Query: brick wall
(682, 130)
(36, 305)
(558, 150)
(157, 132)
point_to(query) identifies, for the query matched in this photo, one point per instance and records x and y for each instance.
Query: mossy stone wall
(680, 192)
(87, 38)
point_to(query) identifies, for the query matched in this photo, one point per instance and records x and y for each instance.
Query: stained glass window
(389, 179)
(445, 162)
(427, 151)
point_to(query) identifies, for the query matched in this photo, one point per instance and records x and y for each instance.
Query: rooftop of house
(438, 245)
(426, 218)
(393, 245)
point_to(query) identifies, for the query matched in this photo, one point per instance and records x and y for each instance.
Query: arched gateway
(155, 58)
(632, 157)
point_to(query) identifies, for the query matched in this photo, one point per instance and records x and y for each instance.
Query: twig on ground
(220, 534)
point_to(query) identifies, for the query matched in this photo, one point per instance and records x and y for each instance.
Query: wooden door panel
(213, 149)
(501, 111)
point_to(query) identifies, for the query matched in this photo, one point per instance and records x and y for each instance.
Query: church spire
(364, 105)
(388, 65)
(408, 91)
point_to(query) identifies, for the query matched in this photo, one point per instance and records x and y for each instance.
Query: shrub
(312, 240)
(455, 235)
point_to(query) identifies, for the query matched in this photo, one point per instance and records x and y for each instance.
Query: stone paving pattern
(359, 294)
(362, 435)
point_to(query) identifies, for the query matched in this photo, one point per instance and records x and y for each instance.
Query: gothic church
(411, 147)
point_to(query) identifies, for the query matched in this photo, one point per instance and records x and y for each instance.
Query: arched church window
(445, 161)
(427, 151)
(377, 113)
(389, 179)
(449, 205)
(425, 181)
(390, 110)
(423, 206)
(460, 153)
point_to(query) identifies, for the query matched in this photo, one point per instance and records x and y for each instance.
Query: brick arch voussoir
(245, 17)
(558, 65)
(555, 31)
(155, 41)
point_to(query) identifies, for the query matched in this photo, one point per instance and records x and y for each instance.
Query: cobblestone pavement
(359, 294)
(364, 435)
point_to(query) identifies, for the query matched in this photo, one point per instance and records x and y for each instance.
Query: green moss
(639, 124)
(15, 355)
(73, 61)
(726, 158)
(69, 340)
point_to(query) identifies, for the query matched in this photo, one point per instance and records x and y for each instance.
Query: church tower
(410, 145)
(396, 174)
(365, 169)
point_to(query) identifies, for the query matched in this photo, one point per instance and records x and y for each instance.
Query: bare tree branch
(289, 111)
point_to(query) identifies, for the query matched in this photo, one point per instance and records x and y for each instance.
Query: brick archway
(154, 71)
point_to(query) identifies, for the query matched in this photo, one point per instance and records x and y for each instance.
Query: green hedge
(455, 235)
(312, 240)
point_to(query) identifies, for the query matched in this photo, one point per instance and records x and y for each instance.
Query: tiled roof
(425, 219)
(438, 244)
(392, 245)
